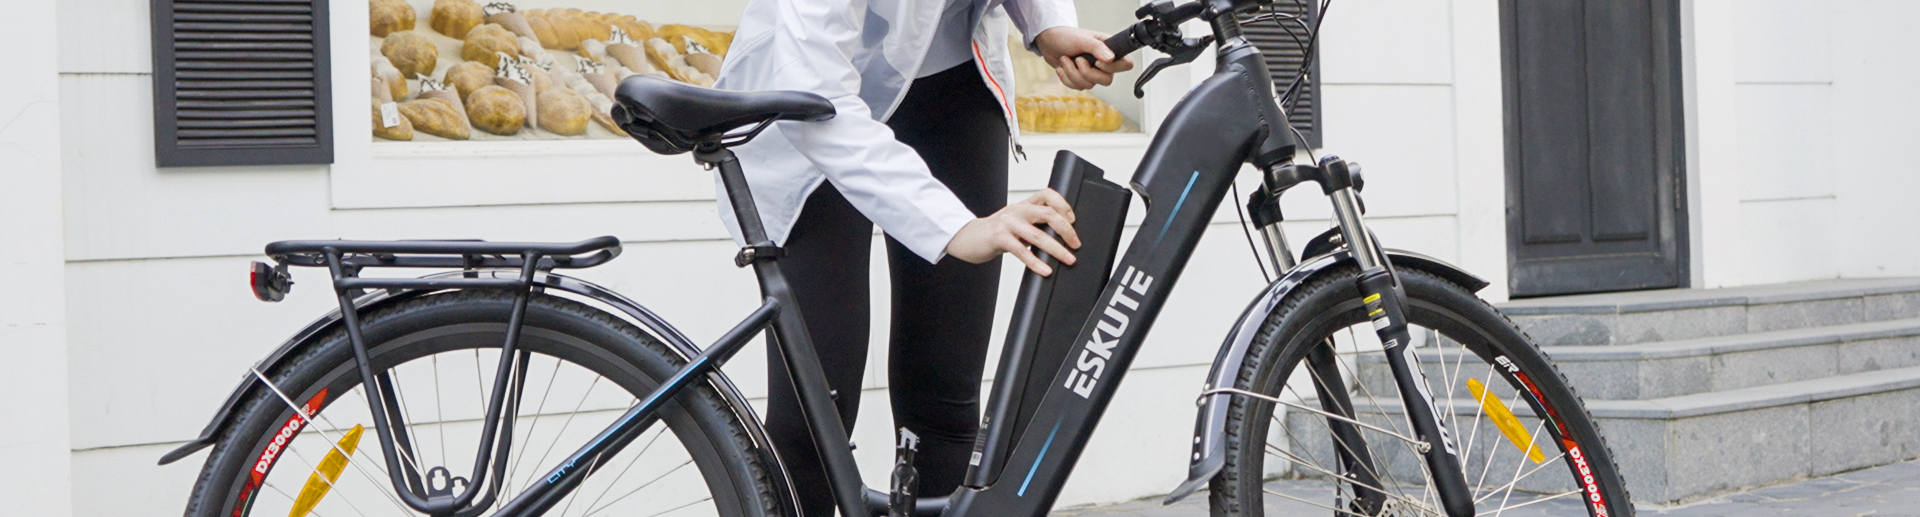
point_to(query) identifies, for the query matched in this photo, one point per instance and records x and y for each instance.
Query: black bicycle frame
(1233, 113)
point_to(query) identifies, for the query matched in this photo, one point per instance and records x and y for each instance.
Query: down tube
(1182, 178)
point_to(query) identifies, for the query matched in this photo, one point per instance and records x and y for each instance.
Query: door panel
(1592, 133)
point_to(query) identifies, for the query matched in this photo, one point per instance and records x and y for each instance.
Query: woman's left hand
(1061, 45)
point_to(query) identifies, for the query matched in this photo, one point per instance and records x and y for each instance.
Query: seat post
(738, 195)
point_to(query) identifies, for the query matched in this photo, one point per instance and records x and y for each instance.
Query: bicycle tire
(1325, 305)
(570, 332)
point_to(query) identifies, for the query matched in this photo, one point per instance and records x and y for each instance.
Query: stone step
(1673, 314)
(1686, 447)
(1671, 368)
(1683, 367)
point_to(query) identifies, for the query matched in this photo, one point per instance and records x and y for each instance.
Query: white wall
(33, 320)
(163, 328)
(1800, 113)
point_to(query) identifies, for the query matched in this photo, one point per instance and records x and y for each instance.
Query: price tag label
(694, 47)
(493, 8)
(619, 36)
(511, 68)
(389, 114)
(527, 63)
(588, 66)
(429, 84)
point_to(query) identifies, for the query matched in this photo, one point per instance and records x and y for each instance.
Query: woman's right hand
(1017, 226)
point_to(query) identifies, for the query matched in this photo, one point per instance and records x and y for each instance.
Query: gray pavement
(1892, 490)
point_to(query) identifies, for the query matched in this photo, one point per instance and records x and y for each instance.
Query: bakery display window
(528, 70)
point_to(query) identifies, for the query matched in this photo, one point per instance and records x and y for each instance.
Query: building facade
(1774, 149)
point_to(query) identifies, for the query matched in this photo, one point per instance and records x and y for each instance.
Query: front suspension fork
(1384, 301)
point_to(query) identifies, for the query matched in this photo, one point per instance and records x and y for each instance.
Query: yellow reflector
(1503, 418)
(328, 472)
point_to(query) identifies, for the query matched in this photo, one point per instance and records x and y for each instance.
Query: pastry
(485, 44)
(402, 129)
(715, 42)
(706, 63)
(542, 31)
(433, 114)
(469, 76)
(521, 84)
(389, 16)
(513, 21)
(1066, 113)
(497, 110)
(630, 56)
(455, 17)
(384, 71)
(635, 29)
(563, 112)
(675, 65)
(411, 52)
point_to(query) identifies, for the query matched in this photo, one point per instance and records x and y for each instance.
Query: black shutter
(241, 82)
(1284, 52)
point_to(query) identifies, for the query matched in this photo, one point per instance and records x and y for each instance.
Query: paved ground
(1892, 490)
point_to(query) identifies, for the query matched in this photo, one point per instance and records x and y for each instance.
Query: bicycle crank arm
(1382, 298)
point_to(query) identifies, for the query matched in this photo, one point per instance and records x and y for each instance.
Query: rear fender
(635, 313)
(1209, 445)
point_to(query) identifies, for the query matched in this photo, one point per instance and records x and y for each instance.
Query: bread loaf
(529, 98)
(485, 43)
(631, 56)
(1075, 112)
(514, 23)
(706, 63)
(402, 128)
(396, 82)
(455, 17)
(389, 16)
(411, 52)
(469, 76)
(497, 110)
(563, 112)
(435, 115)
(670, 61)
(714, 41)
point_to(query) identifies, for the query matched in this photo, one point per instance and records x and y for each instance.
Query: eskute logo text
(1098, 349)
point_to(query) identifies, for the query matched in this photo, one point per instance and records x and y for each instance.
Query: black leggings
(942, 313)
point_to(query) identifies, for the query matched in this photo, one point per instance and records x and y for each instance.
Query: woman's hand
(1059, 45)
(1015, 227)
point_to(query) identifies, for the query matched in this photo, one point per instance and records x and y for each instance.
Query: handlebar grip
(1123, 43)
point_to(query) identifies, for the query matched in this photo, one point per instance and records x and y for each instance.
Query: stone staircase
(1705, 391)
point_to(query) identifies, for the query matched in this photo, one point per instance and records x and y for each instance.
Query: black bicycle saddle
(672, 118)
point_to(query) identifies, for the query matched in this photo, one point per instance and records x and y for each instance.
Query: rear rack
(345, 259)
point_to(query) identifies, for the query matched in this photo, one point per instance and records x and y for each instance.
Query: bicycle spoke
(677, 508)
(1503, 509)
(439, 409)
(1314, 503)
(630, 463)
(643, 486)
(562, 432)
(513, 468)
(302, 412)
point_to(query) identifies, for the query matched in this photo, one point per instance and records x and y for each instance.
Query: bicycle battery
(1048, 311)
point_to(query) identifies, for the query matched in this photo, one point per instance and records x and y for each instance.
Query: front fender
(659, 328)
(1209, 445)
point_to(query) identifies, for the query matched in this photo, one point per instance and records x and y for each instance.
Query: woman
(920, 147)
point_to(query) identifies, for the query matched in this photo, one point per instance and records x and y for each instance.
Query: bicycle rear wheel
(583, 368)
(1288, 456)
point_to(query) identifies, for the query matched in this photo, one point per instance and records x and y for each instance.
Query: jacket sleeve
(1033, 17)
(810, 49)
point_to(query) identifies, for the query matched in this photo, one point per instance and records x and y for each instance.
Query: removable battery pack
(1048, 311)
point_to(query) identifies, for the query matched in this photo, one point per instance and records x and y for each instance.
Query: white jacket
(862, 55)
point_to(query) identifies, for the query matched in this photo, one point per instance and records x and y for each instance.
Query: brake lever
(1188, 50)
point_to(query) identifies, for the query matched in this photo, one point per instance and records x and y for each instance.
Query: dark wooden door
(1594, 158)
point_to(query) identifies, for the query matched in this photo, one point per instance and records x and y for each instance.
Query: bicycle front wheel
(582, 369)
(1319, 429)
